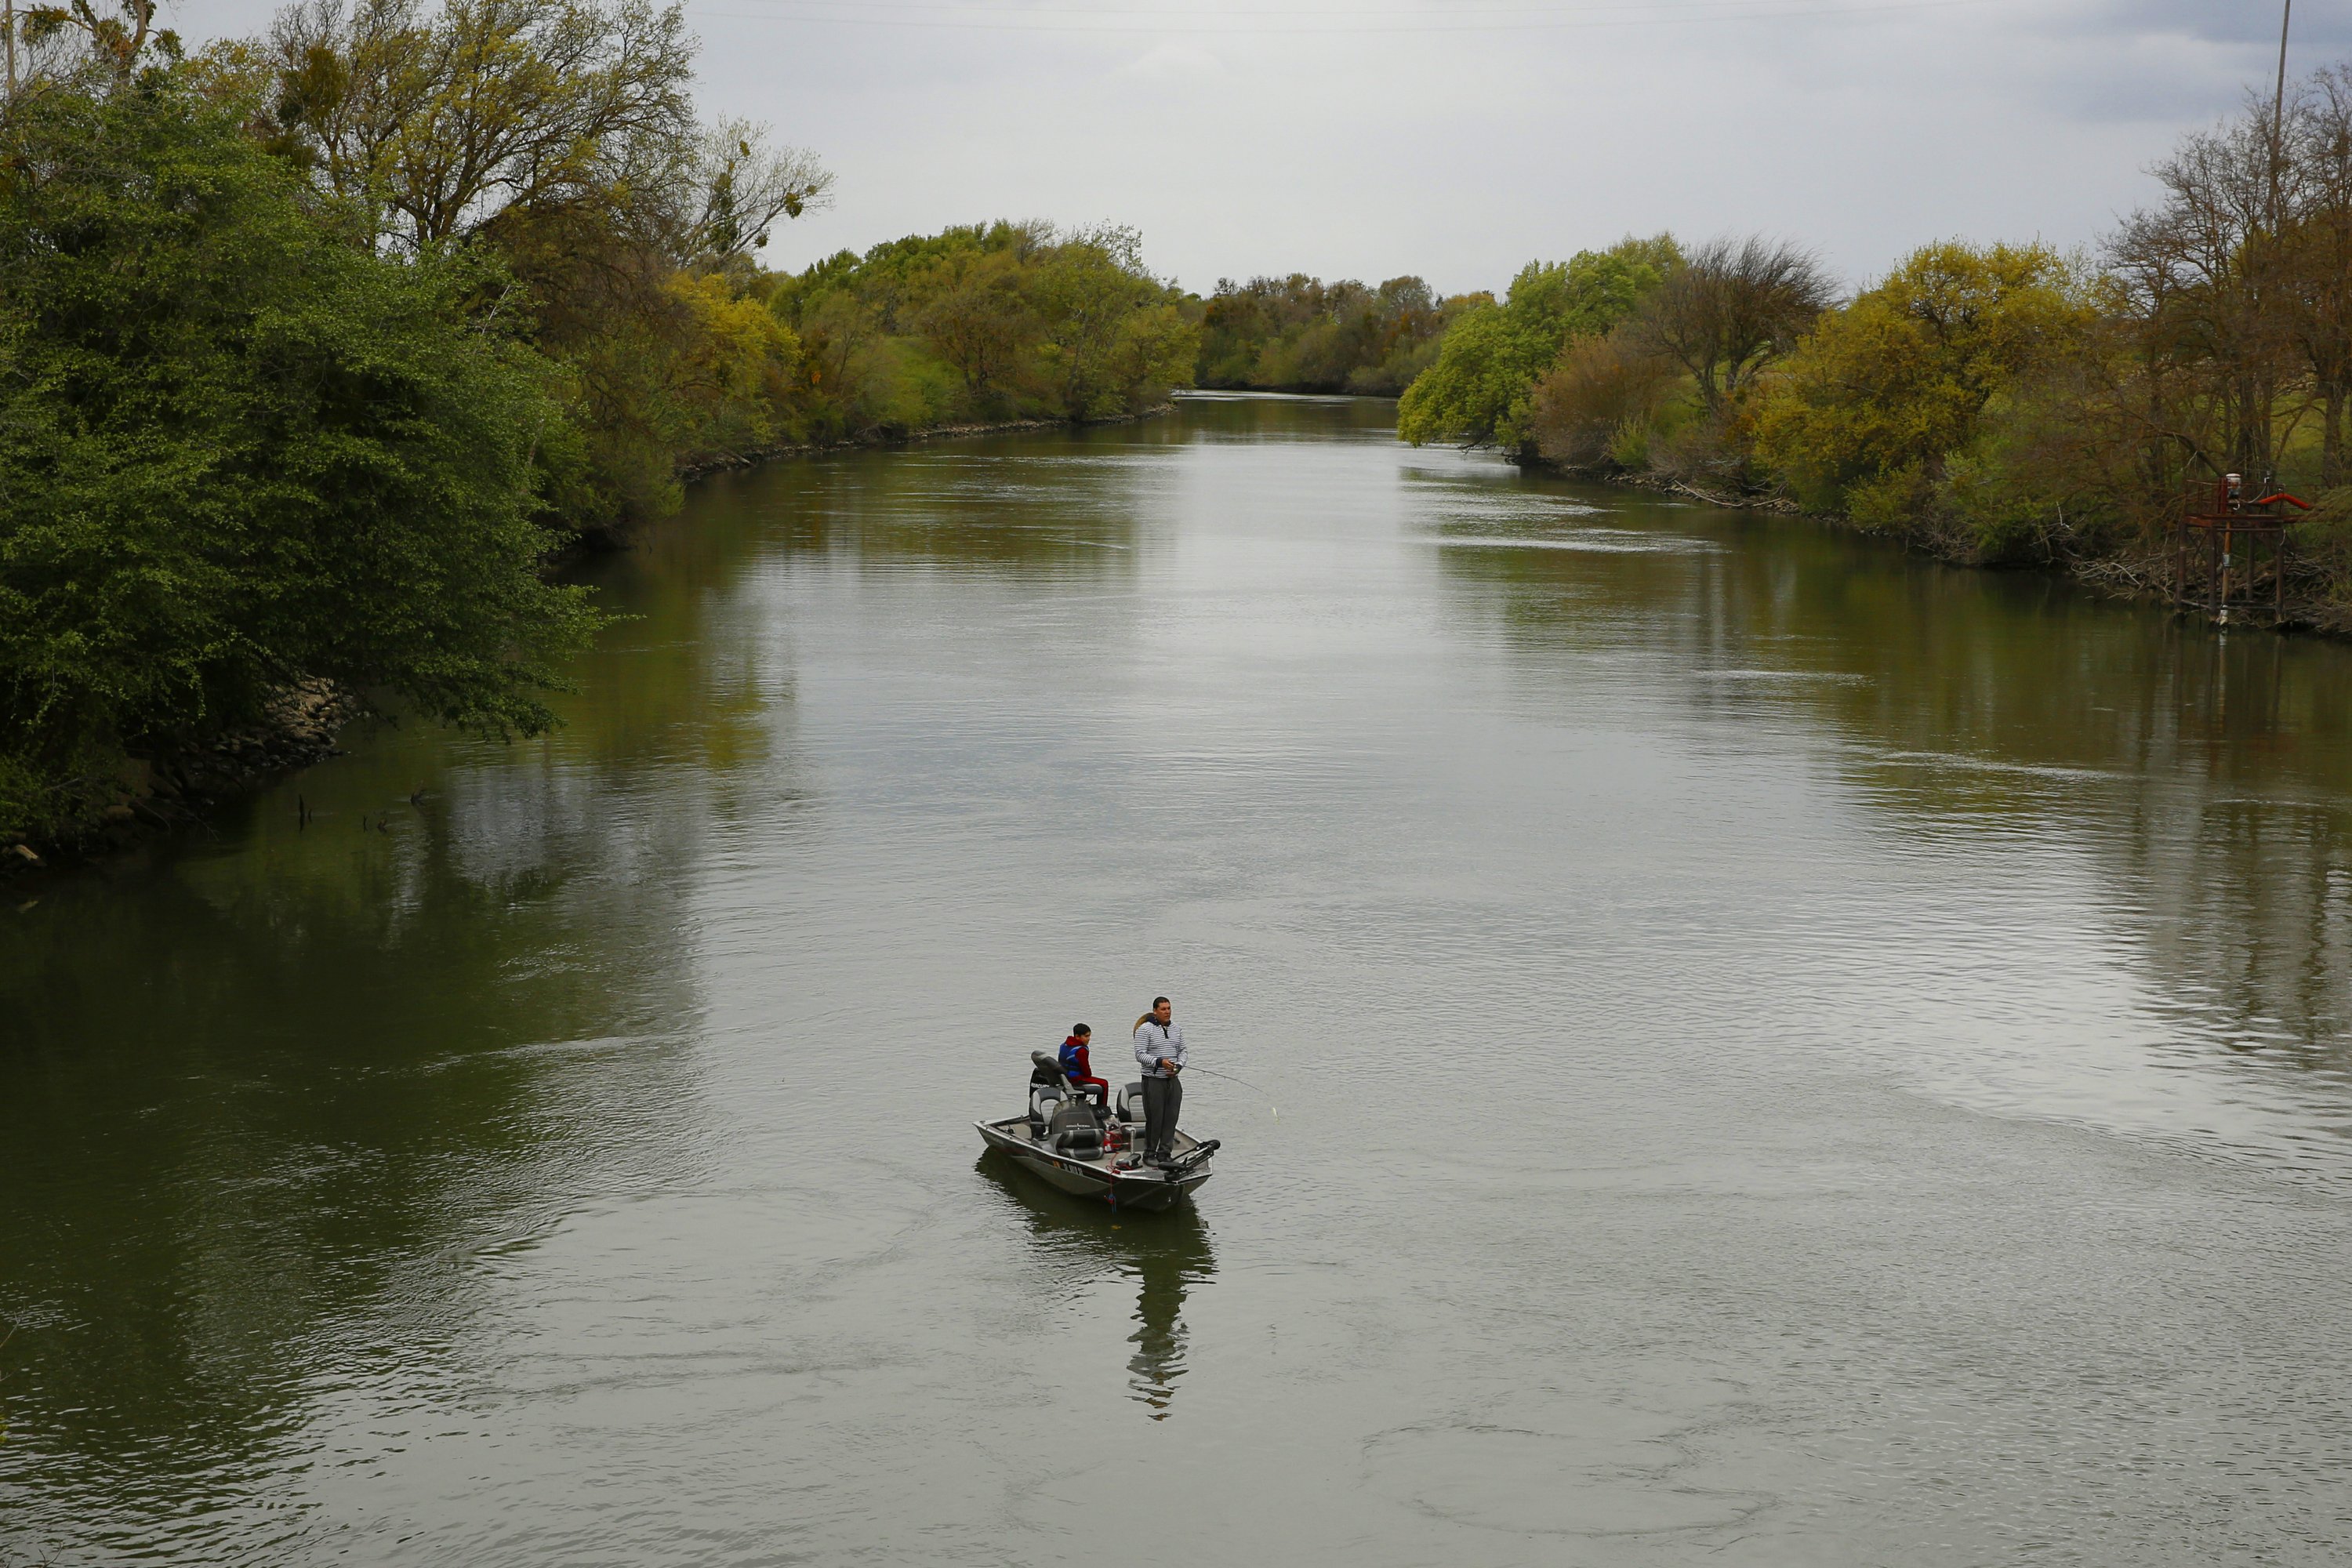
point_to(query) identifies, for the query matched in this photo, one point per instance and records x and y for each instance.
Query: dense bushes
(1482, 387)
(1301, 334)
(235, 451)
(981, 323)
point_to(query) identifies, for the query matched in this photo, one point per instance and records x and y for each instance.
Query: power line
(1435, 15)
(1243, 24)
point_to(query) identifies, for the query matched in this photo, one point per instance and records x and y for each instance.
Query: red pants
(1102, 1090)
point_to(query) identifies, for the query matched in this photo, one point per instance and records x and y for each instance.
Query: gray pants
(1163, 1098)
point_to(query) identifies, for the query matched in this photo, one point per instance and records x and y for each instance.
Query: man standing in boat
(1159, 1047)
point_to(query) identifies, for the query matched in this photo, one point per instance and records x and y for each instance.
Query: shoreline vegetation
(689, 473)
(301, 724)
(319, 350)
(2002, 406)
(1301, 334)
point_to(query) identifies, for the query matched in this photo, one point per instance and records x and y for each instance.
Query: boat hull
(1145, 1189)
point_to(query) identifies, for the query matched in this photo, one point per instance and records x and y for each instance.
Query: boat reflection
(1167, 1255)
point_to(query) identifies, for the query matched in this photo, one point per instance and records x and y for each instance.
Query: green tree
(977, 319)
(1481, 389)
(1301, 334)
(437, 123)
(236, 452)
(1109, 335)
(1898, 380)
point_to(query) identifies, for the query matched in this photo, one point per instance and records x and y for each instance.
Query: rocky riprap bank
(147, 797)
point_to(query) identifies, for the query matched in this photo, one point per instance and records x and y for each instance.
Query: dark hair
(1080, 1029)
(1156, 1001)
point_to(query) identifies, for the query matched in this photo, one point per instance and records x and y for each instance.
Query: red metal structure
(2232, 521)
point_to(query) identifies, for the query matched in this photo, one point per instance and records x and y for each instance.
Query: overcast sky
(1460, 138)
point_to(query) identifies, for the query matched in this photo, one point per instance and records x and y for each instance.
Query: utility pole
(2278, 115)
(2286, 15)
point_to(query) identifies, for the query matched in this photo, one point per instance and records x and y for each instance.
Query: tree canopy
(235, 451)
(1481, 389)
(1301, 334)
(1901, 376)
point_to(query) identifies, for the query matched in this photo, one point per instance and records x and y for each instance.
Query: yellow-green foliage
(735, 355)
(1301, 334)
(1900, 378)
(1001, 321)
(1481, 389)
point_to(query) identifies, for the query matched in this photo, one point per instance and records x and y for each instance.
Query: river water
(1772, 1051)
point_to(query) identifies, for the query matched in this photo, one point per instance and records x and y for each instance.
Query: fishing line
(1246, 1083)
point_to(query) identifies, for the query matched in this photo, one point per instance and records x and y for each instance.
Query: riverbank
(2142, 576)
(909, 437)
(526, 393)
(145, 799)
(618, 538)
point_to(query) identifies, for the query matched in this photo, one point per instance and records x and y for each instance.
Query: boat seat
(1130, 1103)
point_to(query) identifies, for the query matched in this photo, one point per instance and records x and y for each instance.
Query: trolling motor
(1183, 1165)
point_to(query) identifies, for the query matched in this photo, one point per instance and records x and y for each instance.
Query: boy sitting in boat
(1080, 1071)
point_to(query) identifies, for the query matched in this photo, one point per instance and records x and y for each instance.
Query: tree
(1482, 387)
(1107, 329)
(433, 126)
(2318, 253)
(1300, 333)
(1593, 408)
(559, 135)
(977, 319)
(235, 451)
(1730, 310)
(1897, 379)
(115, 40)
(2206, 279)
(745, 185)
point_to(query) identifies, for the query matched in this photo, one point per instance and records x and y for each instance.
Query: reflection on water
(1159, 1336)
(2205, 782)
(283, 1101)
(331, 1101)
(1167, 1254)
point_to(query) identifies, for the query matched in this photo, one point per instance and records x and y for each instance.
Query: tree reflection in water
(1167, 1255)
(2205, 779)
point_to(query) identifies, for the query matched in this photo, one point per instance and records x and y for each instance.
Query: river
(1770, 1051)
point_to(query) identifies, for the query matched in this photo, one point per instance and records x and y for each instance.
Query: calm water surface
(1785, 1054)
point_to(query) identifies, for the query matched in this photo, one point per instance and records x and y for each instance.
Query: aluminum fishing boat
(1096, 1154)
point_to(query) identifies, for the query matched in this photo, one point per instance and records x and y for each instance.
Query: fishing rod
(1237, 1077)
